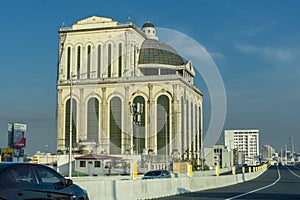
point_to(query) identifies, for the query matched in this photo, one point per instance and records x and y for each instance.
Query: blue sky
(255, 44)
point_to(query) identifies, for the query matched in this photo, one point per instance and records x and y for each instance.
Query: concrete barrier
(153, 188)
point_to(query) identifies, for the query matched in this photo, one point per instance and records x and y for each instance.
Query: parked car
(36, 181)
(154, 174)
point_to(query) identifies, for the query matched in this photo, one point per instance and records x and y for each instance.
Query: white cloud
(284, 55)
(216, 55)
(258, 29)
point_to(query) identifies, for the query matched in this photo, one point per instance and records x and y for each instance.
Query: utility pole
(281, 154)
(285, 154)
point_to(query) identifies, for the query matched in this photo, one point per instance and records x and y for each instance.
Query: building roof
(148, 24)
(157, 52)
(97, 157)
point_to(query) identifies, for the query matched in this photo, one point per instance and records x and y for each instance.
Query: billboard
(19, 139)
(16, 135)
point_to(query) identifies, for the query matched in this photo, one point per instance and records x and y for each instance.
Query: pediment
(95, 19)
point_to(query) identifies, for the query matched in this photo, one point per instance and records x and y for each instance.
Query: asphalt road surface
(278, 182)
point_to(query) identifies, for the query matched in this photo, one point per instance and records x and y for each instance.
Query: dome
(148, 24)
(156, 52)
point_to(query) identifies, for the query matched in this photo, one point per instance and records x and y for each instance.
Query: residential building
(245, 141)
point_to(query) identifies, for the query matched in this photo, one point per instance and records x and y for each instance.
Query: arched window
(109, 61)
(139, 125)
(69, 63)
(78, 61)
(99, 61)
(120, 60)
(88, 64)
(93, 120)
(67, 122)
(163, 128)
(115, 125)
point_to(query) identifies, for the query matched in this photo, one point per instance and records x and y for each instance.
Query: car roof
(8, 164)
(15, 163)
(158, 170)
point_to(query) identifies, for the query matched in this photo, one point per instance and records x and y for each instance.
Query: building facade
(246, 141)
(267, 152)
(131, 93)
(218, 155)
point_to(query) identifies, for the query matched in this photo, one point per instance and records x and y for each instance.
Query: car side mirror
(69, 182)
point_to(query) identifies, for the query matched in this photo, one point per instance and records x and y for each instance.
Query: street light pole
(71, 117)
(166, 130)
(202, 150)
(71, 113)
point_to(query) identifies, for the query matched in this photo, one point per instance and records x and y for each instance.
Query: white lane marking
(244, 194)
(292, 172)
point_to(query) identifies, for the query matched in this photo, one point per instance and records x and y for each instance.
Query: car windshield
(153, 173)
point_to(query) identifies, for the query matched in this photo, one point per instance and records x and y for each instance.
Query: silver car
(154, 174)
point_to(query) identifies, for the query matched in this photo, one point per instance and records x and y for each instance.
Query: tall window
(69, 63)
(99, 61)
(115, 125)
(109, 61)
(134, 56)
(74, 122)
(139, 128)
(163, 122)
(93, 120)
(120, 61)
(88, 64)
(78, 61)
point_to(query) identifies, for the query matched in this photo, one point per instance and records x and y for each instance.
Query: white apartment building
(246, 141)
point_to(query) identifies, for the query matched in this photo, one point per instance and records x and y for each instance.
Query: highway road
(278, 182)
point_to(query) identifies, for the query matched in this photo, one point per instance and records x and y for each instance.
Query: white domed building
(132, 94)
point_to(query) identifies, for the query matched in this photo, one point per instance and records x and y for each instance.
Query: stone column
(126, 135)
(104, 113)
(151, 120)
(60, 121)
(82, 131)
(175, 113)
